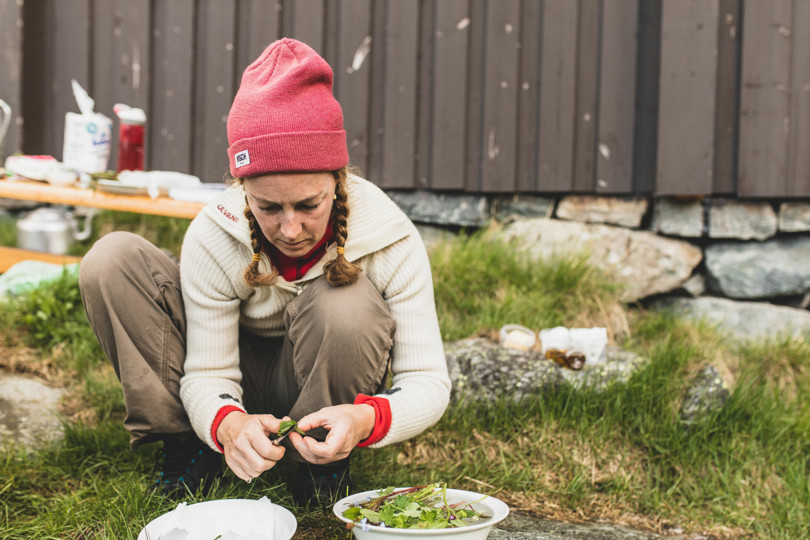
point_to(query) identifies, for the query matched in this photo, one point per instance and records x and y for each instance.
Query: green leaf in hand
(287, 426)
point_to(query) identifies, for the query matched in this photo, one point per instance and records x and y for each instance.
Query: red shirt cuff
(221, 414)
(382, 418)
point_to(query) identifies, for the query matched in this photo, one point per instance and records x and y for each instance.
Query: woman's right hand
(244, 438)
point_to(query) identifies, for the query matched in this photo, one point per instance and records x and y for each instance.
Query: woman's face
(292, 209)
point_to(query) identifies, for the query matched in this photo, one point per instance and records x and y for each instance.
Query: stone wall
(709, 258)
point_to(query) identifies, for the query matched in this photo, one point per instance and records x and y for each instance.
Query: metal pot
(51, 229)
(5, 120)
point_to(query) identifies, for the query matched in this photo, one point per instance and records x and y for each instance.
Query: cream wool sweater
(381, 240)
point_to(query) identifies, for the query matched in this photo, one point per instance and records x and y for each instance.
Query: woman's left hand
(347, 425)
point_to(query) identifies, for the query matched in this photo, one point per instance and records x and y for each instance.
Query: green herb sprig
(419, 507)
(287, 426)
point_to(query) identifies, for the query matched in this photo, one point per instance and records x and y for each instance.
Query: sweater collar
(294, 268)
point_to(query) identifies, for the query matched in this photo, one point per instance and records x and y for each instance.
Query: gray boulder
(743, 321)
(676, 217)
(524, 527)
(759, 270)
(625, 212)
(28, 411)
(742, 220)
(642, 262)
(440, 209)
(794, 217)
(482, 370)
(707, 394)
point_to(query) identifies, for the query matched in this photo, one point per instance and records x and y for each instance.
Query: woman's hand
(347, 425)
(248, 450)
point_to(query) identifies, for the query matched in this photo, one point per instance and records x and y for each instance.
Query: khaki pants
(336, 345)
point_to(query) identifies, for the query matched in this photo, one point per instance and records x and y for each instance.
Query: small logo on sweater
(227, 213)
(228, 396)
(242, 159)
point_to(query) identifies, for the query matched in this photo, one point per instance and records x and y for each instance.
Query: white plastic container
(496, 509)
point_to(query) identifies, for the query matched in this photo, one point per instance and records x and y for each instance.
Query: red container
(130, 147)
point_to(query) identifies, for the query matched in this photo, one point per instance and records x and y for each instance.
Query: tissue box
(87, 142)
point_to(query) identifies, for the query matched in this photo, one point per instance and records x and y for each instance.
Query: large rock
(741, 220)
(612, 210)
(759, 270)
(483, 370)
(707, 394)
(28, 408)
(743, 321)
(794, 217)
(440, 209)
(677, 217)
(644, 263)
(518, 526)
(522, 206)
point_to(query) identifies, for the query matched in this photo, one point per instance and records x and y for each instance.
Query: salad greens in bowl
(429, 511)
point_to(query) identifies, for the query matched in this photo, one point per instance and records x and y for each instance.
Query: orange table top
(29, 190)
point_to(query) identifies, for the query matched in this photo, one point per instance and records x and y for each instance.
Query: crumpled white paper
(227, 519)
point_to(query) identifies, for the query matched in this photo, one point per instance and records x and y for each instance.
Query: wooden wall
(661, 97)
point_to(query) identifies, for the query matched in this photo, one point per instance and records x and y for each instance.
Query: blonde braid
(339, 271)
(252, 275)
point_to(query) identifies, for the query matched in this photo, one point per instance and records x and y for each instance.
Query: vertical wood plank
(649, 69)
(170, 117)
(448, 100)
(558, 96)
(399, 88)
(531, 37)
(587, 94)
(304, 21)
(11, 83)
(475, 91)
(424, 97)
(798, 181)
(259, 25)
(765, 98)
(617, 97)
(121, 60)
(215, 85)
(65, 56)
(688, 84)
(726, 105)
(377, 60)
(501, 89)
(352, 74)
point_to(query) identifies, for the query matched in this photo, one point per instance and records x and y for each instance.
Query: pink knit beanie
(284, 117)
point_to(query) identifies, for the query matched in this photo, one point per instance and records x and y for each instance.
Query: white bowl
(230, 518)
(496, 509)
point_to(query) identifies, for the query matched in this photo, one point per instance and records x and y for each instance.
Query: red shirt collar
(293, 268)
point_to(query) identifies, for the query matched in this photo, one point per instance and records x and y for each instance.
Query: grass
(621, 455)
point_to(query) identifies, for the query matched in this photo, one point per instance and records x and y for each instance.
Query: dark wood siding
(660, 97)
(11, 58)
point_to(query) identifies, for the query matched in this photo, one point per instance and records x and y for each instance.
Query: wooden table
(73, 196)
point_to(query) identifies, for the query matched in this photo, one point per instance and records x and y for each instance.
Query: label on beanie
(242, 158)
